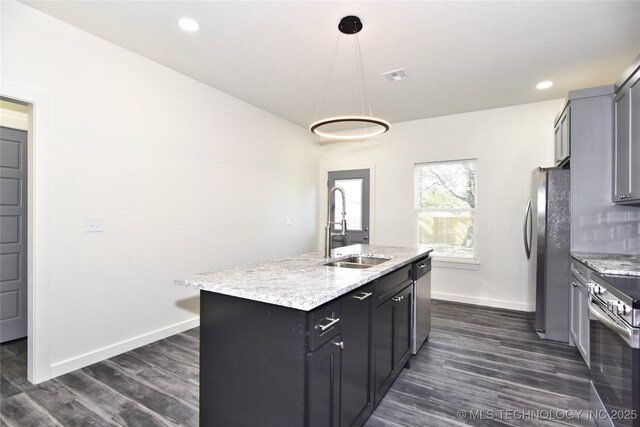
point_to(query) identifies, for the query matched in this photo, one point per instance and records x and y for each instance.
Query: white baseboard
(488, 302)
(87, 359)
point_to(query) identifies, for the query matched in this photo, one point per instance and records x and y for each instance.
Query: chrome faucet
(343, 223)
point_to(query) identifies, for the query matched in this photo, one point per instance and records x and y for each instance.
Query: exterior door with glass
(355, 184)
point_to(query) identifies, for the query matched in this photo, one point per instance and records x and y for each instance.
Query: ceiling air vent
(396, 75)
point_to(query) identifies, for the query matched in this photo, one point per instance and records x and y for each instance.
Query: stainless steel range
(614, 320)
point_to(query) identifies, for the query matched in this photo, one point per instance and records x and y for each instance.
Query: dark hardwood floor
(491, 360)
(477, 359)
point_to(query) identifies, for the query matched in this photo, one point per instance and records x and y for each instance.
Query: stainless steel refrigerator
(546, 243)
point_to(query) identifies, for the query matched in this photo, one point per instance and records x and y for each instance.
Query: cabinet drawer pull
(339, 344)
(397, 299)
(363, 296)
(422, 265)
(574, 271)
(328, 325)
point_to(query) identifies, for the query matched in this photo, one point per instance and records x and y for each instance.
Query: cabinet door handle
(397, 299)
(363, 296)
(574, 284)
(328, 325)
(339, 344)
(422, 265)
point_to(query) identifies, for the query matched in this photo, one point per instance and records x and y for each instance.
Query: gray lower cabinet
(579, 325)
(268, 365)
(324, 366)
(626, 188)
(356, 390)
(392, 342)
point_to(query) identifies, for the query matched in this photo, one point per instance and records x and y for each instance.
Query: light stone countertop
(614, 264)
(302, 282)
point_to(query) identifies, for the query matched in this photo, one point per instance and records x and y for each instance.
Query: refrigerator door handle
(526, 227)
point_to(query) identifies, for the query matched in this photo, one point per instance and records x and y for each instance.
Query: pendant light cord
(371, 126)
(360, 77)
(360, 64)
(327, 85)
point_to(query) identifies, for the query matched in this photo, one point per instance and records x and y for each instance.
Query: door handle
(527, 244)
(625, 333)
(328, 325)
(364, 296)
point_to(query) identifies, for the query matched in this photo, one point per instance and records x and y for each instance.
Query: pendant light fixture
(350, 127)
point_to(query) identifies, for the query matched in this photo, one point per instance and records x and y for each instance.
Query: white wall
(508, 143)
(187, 179)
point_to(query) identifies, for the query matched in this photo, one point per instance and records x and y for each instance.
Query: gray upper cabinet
(562, 136)
(621, 147)
(594, 217)
(626, 168)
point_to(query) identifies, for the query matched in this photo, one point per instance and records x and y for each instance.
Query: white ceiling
(460, 56)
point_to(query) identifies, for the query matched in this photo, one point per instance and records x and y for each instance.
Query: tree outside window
(445, 206)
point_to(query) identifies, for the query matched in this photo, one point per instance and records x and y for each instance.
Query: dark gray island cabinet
(271, 365)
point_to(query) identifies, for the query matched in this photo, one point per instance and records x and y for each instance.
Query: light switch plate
(95, 225)
(288, 220)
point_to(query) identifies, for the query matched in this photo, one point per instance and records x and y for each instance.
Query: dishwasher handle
(421, 268)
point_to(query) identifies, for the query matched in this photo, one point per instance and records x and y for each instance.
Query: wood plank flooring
(477, 359)
(487, 359)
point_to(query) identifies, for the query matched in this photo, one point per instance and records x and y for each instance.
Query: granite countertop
(302, 282)
(614, 264)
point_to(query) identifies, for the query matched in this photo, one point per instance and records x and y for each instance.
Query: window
(353, 194)
(445, 207)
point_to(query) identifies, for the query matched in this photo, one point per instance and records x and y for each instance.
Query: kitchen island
(295, 342)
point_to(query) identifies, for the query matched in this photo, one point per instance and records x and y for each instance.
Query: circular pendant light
(371, 126)
(351, 127)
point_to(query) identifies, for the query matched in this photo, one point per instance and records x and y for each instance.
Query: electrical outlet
(288, 220)
(95, 225)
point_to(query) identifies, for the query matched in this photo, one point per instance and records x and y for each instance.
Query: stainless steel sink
(357, 261)
(347, 264)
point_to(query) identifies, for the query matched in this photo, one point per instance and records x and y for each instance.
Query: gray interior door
(356, 187)
(13, 234)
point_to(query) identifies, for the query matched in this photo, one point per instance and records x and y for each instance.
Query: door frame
(323, 175)
(39, 239)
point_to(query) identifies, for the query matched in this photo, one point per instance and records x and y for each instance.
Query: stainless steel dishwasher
(421, 273)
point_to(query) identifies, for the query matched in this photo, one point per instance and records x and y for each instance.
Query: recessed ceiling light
(544, 85)
(188, 24)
